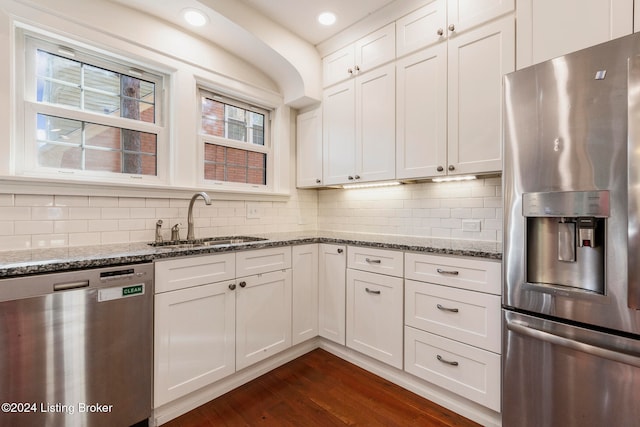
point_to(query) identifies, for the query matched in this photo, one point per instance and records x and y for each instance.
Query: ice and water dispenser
(566, 238)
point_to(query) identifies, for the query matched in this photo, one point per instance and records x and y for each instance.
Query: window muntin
(90, 114)
(235, 138)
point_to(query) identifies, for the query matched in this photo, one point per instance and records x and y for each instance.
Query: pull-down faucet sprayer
(207, 200)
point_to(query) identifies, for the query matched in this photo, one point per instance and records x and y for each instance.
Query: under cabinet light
(371, 185)
(454, 178)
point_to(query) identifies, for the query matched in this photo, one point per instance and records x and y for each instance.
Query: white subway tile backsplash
(422, 209)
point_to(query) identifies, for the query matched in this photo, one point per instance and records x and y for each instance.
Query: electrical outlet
(253, 211)
(470, 225)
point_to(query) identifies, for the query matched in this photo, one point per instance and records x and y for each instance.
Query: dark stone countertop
(50, 260)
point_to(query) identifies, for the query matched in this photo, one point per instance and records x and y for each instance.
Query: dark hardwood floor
(319, 389)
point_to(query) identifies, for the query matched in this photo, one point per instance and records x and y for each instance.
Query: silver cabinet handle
(452, 27)
(232, 286)
(450, 272)
(443, 308)
(440, 31)
(370, 291)
(373, 261)
(448, 362)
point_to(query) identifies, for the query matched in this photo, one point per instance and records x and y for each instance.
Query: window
(90, 114)
(235, 138)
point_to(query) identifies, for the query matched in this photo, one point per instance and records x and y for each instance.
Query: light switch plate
(470, 225)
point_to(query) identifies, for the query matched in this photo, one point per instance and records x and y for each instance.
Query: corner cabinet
(549, 28)
(449, 95)
(359, 128)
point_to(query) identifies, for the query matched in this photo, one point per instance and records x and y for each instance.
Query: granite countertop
(37, 261)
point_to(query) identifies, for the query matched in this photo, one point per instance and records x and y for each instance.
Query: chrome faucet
(207, 200)
(159, 231)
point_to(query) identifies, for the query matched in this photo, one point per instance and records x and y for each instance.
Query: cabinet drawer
(470, 317)
(194, 271)
(262, 261)
(467, 371)
(375, 260)
(465, 273)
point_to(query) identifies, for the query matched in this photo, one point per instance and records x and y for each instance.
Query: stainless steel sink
(210, 241)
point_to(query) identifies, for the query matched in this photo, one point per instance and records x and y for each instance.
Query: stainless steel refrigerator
(571, 297)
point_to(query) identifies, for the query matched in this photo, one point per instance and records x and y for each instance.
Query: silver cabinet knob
(232, 286)
(318, 181)
(440, 31)
(452, 27)
(350, 178)
(243, 284)
(357, 177)
(440, 169)
(357, 68)
(452, 168)
(350, 70)
(340, 251)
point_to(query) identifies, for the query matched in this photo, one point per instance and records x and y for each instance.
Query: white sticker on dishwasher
(110, 294)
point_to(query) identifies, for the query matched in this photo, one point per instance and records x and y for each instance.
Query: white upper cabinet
(478, 60)
(551, 28)
(449, 94)
(359, 128)
(309, 148)
(365, 54)
(439, 19)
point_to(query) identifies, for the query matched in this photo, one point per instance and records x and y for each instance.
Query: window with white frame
(90, 114)
(235, 138)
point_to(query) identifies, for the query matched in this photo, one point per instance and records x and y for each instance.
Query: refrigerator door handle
(523, 328)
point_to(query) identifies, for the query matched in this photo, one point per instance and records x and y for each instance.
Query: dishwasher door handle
(604, 353)
(71, 285)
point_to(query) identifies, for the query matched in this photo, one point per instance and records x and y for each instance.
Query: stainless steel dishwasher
(76, 348)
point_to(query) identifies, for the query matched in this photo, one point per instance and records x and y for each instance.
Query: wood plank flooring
(319, 389)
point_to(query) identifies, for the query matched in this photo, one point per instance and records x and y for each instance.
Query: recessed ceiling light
(195, 17)
(327, 18)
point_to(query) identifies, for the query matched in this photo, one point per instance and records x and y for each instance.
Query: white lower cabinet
(304, 308)
(463, 369)
(194, 326)
(332, 292)
(263, 316)
(374, 315)
(452, 334)
(206, 331)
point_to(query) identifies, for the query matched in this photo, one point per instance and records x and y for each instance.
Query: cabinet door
(375, 124)
(305, 293)
(309, 148)
(263, 320)
(338, 133)
(421, 111)
(332, 298)
(374, 315)
(550, 28)
(338, 66)
(421, 28)
(466, 14)
(194, 339)
(376, 49)
(478, 60)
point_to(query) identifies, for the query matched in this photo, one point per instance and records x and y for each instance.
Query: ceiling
(300, 16)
